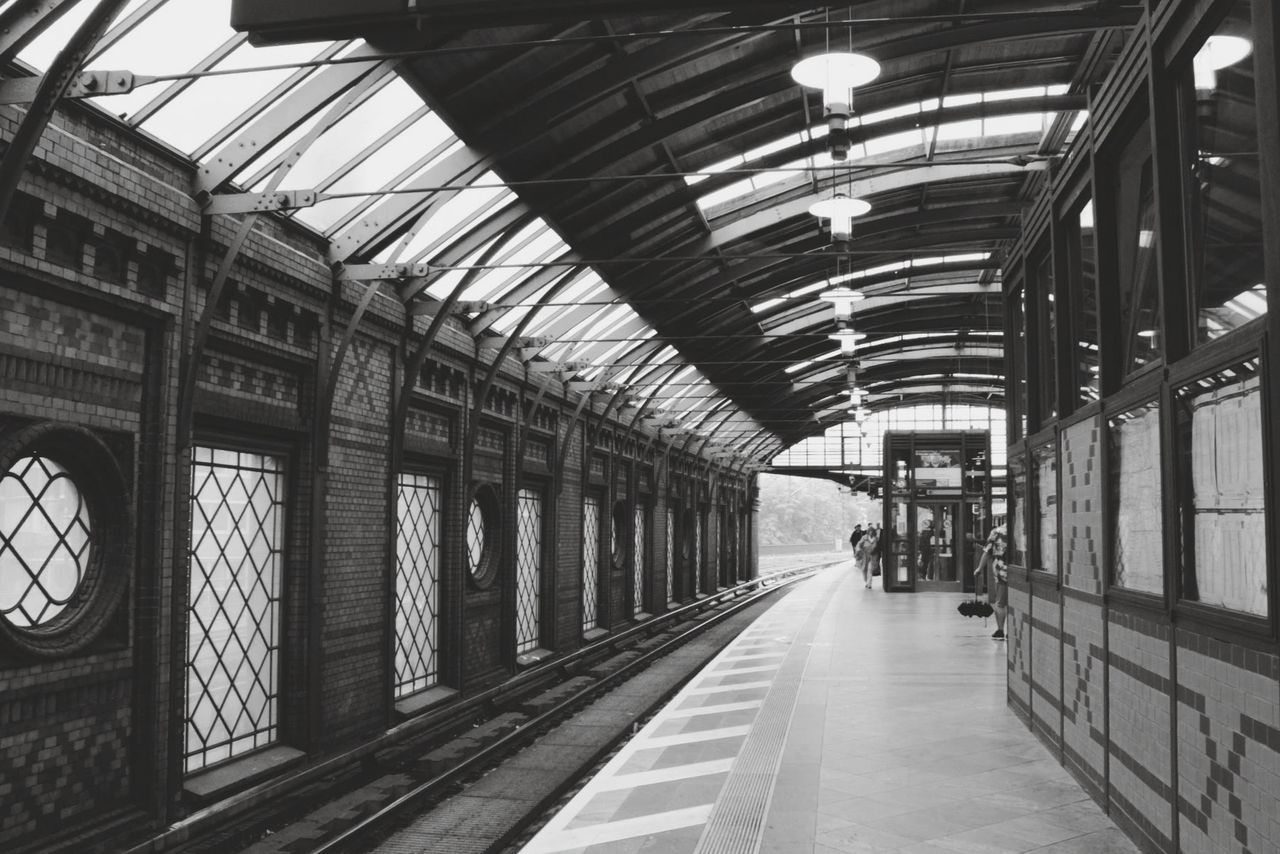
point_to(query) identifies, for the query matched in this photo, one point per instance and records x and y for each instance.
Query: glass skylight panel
(967, 129)
(895, 142)
(777, 145)
(376, 114)
(1015, 124)
(455, 217)
(172, 39)
(529, 248)
(962, 100)
(388, 163)
(1012, 94)
(798, 366)
(891, 113)
(443, 284)
(44, 47)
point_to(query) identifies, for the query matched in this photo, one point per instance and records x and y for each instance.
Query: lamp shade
(836, 74)
(848, 339)
(1219, 52)
(839, 206)
(841, 210)
(842, 300)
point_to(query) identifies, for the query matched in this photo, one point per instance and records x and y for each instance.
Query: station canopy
(627, 187)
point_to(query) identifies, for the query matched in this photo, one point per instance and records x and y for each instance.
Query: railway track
(472, 776)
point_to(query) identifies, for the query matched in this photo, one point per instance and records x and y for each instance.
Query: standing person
(854, 539)
(926, 550)
(998, 588)
(870, 555)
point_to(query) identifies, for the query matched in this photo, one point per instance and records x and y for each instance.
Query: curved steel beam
(912, 176)
(62, 72)
(23, 22)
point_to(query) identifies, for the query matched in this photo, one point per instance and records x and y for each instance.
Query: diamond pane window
(475, 537)
(671, 546)
(417, 583)
(697, 557)
(233, 605)
(637, 578)
(44, 541)
(590, 564)
(528, 569)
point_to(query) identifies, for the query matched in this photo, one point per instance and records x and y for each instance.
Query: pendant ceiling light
(837, 75)
(1219, 52)
(842, 300)
(841, 210)
(848, 340)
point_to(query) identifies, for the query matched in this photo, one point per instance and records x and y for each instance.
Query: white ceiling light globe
(839, 206)
(1219, 52)
(835, 72)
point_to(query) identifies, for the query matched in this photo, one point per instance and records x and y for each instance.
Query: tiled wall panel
(1046, 662)
(1228, 748)
(1084, 667)
(1139, 723)
(1081, 504)
(1018, 634)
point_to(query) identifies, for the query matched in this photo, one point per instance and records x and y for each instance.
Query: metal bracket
(280, 200)
(421, 307)
(22, 90)
(526, 342)
(371, 272)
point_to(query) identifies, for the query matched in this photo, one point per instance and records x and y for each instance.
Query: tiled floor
(844, 720)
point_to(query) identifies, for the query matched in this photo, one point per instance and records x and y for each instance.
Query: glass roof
(1032, 123)
(359, 135)
(396, 185)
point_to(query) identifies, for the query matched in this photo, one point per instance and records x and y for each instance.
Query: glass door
(937, 561)
(897, 548)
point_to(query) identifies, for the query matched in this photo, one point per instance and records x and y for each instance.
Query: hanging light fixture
(841, 210)
(848, 339)
(842, 300)
(837, 75)
(1219, 52)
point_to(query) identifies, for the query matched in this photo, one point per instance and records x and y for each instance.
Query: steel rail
(357, 833)
(423, 725)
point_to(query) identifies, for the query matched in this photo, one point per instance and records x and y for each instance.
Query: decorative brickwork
(357, 544)
(43, 791)
(1139, 724)
(1228, 748)
(1046, 662)
(1018, 637)
(1081, 508)
(1084, 670)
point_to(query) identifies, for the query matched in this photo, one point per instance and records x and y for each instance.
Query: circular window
(64, 529)
(45, 546)
(482, 523)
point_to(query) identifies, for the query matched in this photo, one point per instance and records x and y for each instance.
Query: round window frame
(96, 473)
(486, 571)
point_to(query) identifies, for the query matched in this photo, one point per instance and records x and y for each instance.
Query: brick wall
(104, 265)
(1084, 666)
(1228, 747)
(1046, 661)
(1018, 637)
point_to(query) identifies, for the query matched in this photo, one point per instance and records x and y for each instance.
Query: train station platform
(843, 720)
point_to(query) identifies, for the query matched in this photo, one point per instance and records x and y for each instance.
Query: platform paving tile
(899, 742)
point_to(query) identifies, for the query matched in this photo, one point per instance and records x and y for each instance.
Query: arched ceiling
(592, 99)
(656, 160)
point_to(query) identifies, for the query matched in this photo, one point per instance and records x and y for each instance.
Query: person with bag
(870, 548)
(998, 588)
(854, 539)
